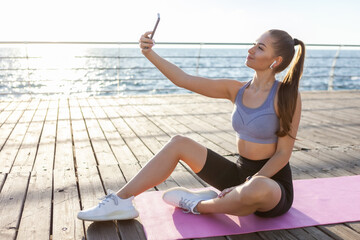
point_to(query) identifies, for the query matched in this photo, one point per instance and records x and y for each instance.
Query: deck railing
(62, 69)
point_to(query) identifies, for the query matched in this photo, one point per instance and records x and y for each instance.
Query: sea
(88, 70)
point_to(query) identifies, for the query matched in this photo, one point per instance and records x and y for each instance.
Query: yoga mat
(316, 202)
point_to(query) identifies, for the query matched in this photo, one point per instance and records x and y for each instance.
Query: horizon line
(167, 43)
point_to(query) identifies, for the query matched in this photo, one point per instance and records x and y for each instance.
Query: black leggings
(222, 173)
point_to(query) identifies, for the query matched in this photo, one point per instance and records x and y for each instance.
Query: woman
(266, 118)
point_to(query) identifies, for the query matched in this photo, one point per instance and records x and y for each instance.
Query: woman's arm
(221, 88)
(284, 147)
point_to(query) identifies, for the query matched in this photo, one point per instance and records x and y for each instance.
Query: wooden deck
(59, 155)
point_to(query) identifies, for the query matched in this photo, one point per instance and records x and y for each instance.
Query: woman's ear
(278, 60)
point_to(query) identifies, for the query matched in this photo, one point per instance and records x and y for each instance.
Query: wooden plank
(337, 159)
(13, 144)
(25, 158)
(313, 168)
(327, 136)
(102, 150)
(64, 158)
(65, 224)
(7, 111)
(248, 236)
(300, 233)
(35, 219)
(305, 138)
(66, 198)
(11, 201)
(315, 233)
(354, 225)
(322, 164)
(340, 231)
(5, 104)
(346, 126)
(45, 155)
(131, 229)
(320, 110)
(112, 177)
(2, 180)
(84, 153)
(277, 234)
(352, 155)
(101, 230)
(8, 126)
(335, 103)
(10, 105)
(212, 238)
(341, 116)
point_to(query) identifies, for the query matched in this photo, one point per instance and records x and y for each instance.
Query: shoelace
(186, 204)
(106, 199)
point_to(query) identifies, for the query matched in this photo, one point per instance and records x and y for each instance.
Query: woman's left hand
(225, 191)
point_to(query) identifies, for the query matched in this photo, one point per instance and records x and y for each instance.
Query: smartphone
(156, 24)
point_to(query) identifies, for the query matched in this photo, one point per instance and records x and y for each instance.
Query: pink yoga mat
(316, 202)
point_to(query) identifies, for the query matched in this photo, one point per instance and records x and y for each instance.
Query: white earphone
(271, 66)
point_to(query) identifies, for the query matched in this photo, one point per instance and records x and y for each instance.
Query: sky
(313, 21)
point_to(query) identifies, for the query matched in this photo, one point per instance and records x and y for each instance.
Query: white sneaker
(110, 208)
(187, 199)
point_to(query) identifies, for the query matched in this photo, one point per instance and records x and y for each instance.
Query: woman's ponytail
(288, 91)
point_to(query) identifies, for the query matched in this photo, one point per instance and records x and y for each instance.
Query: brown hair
(284, 46)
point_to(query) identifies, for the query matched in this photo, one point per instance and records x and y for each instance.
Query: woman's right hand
(146, 43)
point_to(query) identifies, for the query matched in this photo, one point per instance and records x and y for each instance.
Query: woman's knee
(182, 143)
(174, 146)
(256, 190)
(177, 139)
(188, 150)
(178, 144)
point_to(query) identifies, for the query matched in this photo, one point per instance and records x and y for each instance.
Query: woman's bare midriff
(255, 151)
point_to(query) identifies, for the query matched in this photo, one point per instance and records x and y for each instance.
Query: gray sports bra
(258, 125)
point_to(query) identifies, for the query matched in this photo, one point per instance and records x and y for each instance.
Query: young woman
(266, 118)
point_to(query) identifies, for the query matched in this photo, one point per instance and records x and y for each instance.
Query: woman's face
(261, 55)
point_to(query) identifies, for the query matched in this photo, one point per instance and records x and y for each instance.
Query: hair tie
(296, 42)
